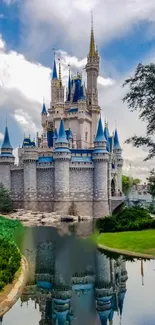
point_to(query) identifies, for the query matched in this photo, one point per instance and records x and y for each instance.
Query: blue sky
(124, 32)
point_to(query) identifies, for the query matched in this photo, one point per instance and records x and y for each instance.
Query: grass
(133, 241)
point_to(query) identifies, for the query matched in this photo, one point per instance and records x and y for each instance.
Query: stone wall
(17, 187)
(5, 177)
(45, 188)
(101, 205)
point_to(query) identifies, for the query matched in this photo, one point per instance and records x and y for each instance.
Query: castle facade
(75, 159)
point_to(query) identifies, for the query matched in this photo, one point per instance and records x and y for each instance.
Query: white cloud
(67, 22)
(1, 136)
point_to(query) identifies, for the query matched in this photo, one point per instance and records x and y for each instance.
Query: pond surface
(71, 282)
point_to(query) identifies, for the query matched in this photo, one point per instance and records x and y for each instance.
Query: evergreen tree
(151, 183)
(6, 204)
(141, 97)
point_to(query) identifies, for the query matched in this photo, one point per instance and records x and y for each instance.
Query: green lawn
(133, 241)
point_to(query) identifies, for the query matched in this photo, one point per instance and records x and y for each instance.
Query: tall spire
(54, 69)
(6, 142)
(92, 51)
(69, 86)
(60, 80)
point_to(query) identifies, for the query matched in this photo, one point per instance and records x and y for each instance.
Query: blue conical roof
(116, 141)
(6, 142)
(100, 137)
(69, 88)
(44, 111)
(106, 132)
(70, 134)
(55, 76)
(55, 135)
(62, 134)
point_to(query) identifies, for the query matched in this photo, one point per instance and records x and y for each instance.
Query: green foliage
(134, 218)
(9, 262)
(6, 204)
(10, 230)
(128, 182)
(151, 183)
(141, 97)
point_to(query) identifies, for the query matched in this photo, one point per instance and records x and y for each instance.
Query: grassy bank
(10, 257)
(134, 241)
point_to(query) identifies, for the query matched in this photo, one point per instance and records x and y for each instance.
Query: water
(71, 280)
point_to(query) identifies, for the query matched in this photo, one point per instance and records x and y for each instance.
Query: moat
(72, 282)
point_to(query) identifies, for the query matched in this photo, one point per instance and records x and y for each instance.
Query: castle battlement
(75, 158)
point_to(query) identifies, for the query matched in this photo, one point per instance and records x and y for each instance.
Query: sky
(30, 29)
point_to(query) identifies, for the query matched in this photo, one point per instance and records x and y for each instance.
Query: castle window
(86, 136)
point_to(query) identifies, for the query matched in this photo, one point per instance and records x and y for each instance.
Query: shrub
(6, 204)
(10, 258)
(128, 219)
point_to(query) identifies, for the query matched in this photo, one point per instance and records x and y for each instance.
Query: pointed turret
(62, 134)
(116, 141)
(100, 137)
(54, 76)
(55, 135)
(69, 88)
(106, 131)
(44, 111)
(6, 142)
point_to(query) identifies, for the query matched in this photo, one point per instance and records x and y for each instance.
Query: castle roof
(55, 76)
(116, 141)
(69, 134)
(44, 111)
(100, 137)
(6, 142)
(55, 135)
(28, 143)
(62, 134)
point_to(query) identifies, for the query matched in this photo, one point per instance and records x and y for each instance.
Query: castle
(75, 158)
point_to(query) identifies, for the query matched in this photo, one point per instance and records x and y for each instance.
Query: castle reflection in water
(73, 283)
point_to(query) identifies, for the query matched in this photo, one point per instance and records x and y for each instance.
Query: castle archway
(113, 187)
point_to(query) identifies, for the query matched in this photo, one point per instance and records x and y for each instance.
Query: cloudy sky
(30, 29)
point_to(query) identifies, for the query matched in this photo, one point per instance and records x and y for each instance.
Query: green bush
(9, 229)
(128, 219)
(10, 259)
(6, 204)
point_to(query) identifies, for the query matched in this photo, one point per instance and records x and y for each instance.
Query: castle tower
(54, 85)
(6, 160)
(103, 287)
(30, 158)
(100, 158)
(118, 152)
(92, 70)
(62, 157)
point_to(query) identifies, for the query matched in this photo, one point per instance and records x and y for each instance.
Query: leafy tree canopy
(128, 182)
(151, 183)
(141, 97)
(6, 204)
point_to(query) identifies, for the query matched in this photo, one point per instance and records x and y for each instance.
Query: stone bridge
(116, 201)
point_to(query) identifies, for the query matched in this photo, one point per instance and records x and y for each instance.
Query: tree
(151, 183)
(141, 97)
(6, 204)
(128, 182)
